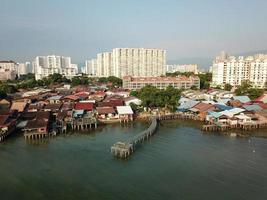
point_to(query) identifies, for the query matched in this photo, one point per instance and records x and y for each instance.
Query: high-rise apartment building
(46, 65)
(24, 68)
(90, 67)
(8, 70)
(122, 62)
(233, 70)
(182, 68)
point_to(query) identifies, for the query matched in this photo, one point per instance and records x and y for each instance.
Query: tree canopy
(153, 97)
(246, 88)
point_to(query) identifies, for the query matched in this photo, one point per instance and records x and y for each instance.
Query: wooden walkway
(4, 134)
(125, 149)
(225, 127)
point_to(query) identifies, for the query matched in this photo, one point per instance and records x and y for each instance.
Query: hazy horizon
(81, 29)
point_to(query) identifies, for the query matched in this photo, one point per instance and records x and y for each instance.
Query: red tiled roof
(34, 124)
(84, 106)
(54, 106)
(111, 103)
(100, 93)
(82, 94)
(71, 97)
(105, 110)
(202, 107)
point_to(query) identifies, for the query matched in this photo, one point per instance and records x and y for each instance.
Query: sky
(83, 28)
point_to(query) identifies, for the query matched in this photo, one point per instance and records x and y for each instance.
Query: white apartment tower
(46, 65)
(136, 62)
(182, 68)
(91, 67)
(233, 70)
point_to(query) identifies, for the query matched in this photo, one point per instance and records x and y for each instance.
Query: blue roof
(223, 100)
(253, 107)
(223, 107)
(215, 114)
(187, 105)
(242, 99)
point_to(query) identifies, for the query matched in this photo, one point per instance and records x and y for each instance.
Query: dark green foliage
(83, 80)
(111, 79)
(187, 74)
(2, 94)
(7, 89)
(194, 87)
(153, 97)
(205, 80)
(246, 89)
(115, 81)
(228, 87)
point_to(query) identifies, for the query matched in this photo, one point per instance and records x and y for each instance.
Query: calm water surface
(179, 162)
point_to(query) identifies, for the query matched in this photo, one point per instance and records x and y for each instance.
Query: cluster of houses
(222, 110)
(42, 112)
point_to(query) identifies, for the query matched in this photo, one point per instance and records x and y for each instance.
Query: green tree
(153, 97)
(194, 87)
(254, 93)
(2, 94)
(134, 93)
(243, 88)
(115, 81)
(8, 89)
(102, 80)
(228, 87)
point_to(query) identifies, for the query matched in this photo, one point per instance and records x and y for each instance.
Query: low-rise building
(125, 113)
(179, 82)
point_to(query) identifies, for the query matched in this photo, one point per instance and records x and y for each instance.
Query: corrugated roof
(202, 107)
(57, 97)
(215, 114)
(84, 106)
(253, 107)
(242, 99)
(187, 105)
(124, 110)
(105, 110)
(19, 106)
(223, 107)
(223, 100)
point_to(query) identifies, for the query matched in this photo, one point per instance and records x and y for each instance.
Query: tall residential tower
(46, 65)
(136, 62)
(233, 70)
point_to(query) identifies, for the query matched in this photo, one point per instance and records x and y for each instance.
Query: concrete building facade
(8, 70)
(46, 65)
(182, 68)
(233, 70)
(129, 62)
(180, 82)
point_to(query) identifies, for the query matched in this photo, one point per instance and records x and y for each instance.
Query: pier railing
(125, 149)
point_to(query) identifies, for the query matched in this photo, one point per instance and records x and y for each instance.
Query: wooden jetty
(36, 135)
(4, 134)
(83, 123)
(125, 149)
(241, 126)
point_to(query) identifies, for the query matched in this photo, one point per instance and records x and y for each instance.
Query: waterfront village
(52, 98)
(43, 112)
